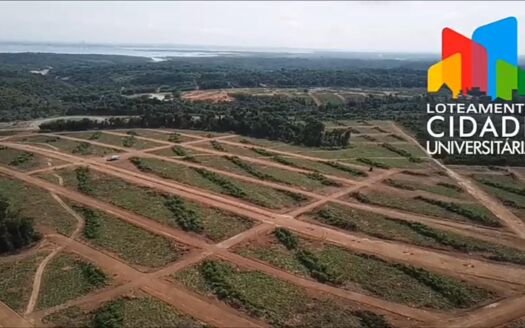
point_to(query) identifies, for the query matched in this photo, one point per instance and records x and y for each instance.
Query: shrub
(179, 151)
(82, 148)
(92, 274)
(261, 151)
(458, 209)
(286, 238)
(324, 180)
(129, 141)
(511, 189)
(140, 164)
(227, 186)
(217, 146)
(15, 232)
(174, 137)
(402, 152)
(450, 186)
(110, 316)
(332, 218)
(21, 159)
(186, 218)
(317, 270)
(348, 169)
(95, 136)
(83, 179)
(371, 319)
(373, 163)
(92, 222)
(398, 184)
(250, 170)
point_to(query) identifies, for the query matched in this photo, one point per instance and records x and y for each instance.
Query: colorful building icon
(487, 63)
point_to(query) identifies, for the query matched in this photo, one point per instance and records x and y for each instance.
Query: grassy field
(412, 233)
(355, 150)
(214, 224)
(328, 98)
(16, 280)
(437, 187)
(68, 146)
(466, 212)
(42, 208)
(251, 192)
(367, 274)
(277, 302)
(129, 311)
(24, 161)
(171, 137)
(136, 246)
(128, 142)
(68, 277)
(507, 188)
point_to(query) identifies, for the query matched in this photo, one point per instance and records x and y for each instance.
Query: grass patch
(202, 178)
(373, 163)
(402, 152)
(217, 225)
(16, 280)
(134, 311)
(414, 233)
(445, 210)
(67, 277)
(277, 302)
(347, 169)
(135, 245)
(41, 207)
(364, 273)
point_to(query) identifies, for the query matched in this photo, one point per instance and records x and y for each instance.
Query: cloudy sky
(354, 26)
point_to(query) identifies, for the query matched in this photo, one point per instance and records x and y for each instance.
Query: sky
(373, 26)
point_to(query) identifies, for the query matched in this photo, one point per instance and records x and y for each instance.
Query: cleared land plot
(356, 150)
(448, 188)
(67, 277)
(221, 162)
(24, 161)
(68, 146)
(465, 212)
(136, 246)
(37, 204)
(202, 178)
(180, 152)
(377, 138)
(168, 209)
(16, 280)
(356, 221)
(113, 140)
(363, 273)
(279, 303)
(133, 310)
(507, 188)
(170, 137)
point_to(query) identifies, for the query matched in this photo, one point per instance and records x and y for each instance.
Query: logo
(486, 64)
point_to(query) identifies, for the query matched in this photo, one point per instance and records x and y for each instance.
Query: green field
(68, 146)
(113, 140)
(213, 224)
(42, 208)
(24, 161)
(135, 245)
(379, 226)
(279, 303)
(465, 212)
(367, 274)
(129, 311)
(16, 280)
(251, 192)
(171, 137)
(437, 187)
(67, 277)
